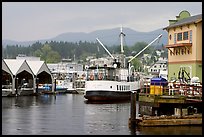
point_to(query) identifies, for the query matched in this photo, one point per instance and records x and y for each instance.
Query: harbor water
(71, 114)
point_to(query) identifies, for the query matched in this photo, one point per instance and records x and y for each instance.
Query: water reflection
(70, 114)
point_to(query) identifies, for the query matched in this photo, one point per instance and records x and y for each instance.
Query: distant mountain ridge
(108, 37)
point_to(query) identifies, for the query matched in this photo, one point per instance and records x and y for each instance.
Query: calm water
(70, 114)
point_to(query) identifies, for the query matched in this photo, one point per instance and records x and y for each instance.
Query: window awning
(186, 45)
(179, 45)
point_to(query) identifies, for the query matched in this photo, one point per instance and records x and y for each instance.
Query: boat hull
(110, 90)
(26, 91)
(107, 95)
(6, 92)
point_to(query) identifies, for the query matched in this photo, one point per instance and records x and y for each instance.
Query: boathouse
(185, 45)
(16, 71)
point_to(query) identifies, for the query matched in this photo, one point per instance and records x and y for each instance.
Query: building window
(185, 35)
(170, 37)
(179, 36)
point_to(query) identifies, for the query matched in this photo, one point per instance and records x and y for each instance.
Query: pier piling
(132, 118)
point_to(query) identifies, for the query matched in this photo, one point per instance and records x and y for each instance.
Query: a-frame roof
(16, 66)
(38, 67)
(5, 67)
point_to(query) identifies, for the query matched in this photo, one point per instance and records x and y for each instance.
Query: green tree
(47, 54)
(137, 64)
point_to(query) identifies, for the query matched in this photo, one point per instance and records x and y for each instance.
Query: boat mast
(121, 40)
(122, 35)
(122, 56)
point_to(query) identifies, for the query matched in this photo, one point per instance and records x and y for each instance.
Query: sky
(27, 21)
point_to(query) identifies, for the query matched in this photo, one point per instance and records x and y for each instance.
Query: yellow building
(185, 46)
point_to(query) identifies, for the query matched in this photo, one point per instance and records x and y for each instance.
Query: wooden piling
(55, 85)
(132, 119)
(37, 84)
(16, 86)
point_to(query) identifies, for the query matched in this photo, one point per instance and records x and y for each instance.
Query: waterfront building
(17, 72)
(185, 45)
(24, 57)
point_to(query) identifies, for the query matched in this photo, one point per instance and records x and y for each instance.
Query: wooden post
(37, 83)
(55, 85)
(132, 122)
(16, 86)
(181, 111)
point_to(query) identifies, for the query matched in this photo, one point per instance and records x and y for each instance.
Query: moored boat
(110, 84)
(115, 81)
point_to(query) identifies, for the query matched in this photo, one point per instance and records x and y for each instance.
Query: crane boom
(105, 48)
(145, 48)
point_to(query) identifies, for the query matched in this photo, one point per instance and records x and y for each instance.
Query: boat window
(100, 76)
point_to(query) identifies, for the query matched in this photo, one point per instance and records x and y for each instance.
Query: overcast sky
(25, 21)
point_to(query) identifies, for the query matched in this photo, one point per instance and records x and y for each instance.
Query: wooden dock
(149, 121)
(166, 110)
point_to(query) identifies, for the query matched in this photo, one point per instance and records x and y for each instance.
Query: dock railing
(171, 88)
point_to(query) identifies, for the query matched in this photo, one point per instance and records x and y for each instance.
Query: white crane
(121, 46)
(105, 48)
(129, 67)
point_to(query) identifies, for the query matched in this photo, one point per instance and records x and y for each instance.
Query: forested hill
(109, 37)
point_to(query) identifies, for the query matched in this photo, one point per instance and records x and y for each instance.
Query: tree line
(54, 51)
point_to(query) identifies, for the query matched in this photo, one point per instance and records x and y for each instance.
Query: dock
(165, 109)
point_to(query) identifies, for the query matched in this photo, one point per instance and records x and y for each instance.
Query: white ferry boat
(116, 82)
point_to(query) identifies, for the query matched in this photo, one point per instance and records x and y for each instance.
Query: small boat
(62, 86)
(6, 90)
(25, 90)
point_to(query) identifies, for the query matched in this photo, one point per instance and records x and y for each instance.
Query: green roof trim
(184, 20)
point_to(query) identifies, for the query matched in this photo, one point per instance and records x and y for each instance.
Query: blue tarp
(159, 81)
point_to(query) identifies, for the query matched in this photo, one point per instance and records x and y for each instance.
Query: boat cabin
(109, 73)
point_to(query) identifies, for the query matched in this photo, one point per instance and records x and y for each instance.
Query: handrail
(181, 89)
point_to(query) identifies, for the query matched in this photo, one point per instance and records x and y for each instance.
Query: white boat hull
(6, 92)
(25, 91)
(110, 90)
